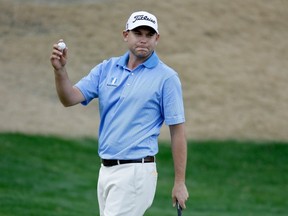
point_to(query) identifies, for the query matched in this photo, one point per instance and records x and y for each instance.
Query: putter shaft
(179, 209)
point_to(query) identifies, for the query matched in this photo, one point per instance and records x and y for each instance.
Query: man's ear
(157, 38)
(125, 35)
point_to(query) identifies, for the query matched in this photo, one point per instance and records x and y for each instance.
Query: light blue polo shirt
(133, 104)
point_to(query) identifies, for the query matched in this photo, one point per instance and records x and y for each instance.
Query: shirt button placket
(128, 84)
(130, 80)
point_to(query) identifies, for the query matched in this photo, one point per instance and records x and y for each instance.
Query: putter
(179, 209)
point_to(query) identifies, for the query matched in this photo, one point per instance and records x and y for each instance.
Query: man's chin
(143, 54)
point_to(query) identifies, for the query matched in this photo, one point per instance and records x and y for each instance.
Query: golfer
(137, 92)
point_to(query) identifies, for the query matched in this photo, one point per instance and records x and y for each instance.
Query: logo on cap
(143, 17)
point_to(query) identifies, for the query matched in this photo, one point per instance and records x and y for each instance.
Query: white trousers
(126, 189)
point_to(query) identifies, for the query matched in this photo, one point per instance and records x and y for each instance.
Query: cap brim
(139, 24)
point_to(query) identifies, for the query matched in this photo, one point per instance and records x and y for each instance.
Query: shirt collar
(151, 62)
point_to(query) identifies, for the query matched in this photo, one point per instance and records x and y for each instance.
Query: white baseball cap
(142, 18)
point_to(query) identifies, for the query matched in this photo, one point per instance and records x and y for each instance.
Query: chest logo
(113, 82)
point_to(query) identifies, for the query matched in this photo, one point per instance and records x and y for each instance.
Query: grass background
(49, 175)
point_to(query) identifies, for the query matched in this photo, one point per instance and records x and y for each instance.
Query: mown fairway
(49, 176)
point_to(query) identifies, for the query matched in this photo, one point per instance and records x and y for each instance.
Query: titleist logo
(142, 17)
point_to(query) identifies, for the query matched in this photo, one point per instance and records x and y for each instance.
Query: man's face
(141, 41)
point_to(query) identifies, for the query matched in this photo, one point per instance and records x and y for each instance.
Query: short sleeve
(88, 85)
(173, 107)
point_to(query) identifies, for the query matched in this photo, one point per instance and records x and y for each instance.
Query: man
(137, 92)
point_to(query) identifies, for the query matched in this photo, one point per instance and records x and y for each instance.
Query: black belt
(109, 163)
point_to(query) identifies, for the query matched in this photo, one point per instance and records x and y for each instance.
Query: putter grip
(179, 209)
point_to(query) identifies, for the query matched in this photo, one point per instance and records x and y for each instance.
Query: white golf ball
(61, 45)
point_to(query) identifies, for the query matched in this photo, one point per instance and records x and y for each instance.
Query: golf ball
(61, 45)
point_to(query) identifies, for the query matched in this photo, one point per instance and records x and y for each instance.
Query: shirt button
(128, 84)
(132, 74)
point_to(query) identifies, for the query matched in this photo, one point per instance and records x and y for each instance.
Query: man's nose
(143, 39)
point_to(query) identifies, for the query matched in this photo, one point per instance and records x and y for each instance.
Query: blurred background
(230, 55)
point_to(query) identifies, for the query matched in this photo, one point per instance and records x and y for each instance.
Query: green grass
(46, 175)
